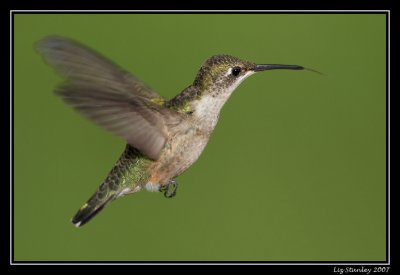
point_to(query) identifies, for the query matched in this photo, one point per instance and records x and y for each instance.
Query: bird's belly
(180, 152)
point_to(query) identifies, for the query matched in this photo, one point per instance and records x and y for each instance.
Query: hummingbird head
(217, 78)
(223, 73)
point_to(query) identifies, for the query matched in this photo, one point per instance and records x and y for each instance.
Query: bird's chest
(181, 151)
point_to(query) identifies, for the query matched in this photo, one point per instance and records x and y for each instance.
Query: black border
(285, 266)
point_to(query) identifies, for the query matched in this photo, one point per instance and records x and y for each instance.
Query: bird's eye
(236, 71)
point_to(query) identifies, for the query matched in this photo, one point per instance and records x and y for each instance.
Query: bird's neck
(207, 109)
(202, 106)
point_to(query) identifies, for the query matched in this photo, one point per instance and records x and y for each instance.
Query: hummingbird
(164, 137)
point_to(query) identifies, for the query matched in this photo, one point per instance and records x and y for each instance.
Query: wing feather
(108, 95)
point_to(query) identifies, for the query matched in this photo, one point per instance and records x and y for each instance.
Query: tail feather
(89, 210)
(112, 187)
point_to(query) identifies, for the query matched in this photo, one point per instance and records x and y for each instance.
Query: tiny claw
(170, 189)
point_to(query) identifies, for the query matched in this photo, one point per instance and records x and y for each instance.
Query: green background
(295, 170)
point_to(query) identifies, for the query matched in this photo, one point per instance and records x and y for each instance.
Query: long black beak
(265, 67)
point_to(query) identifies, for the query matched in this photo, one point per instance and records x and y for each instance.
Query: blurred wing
(108, 95)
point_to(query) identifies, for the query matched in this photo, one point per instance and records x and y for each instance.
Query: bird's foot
(169, 189)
